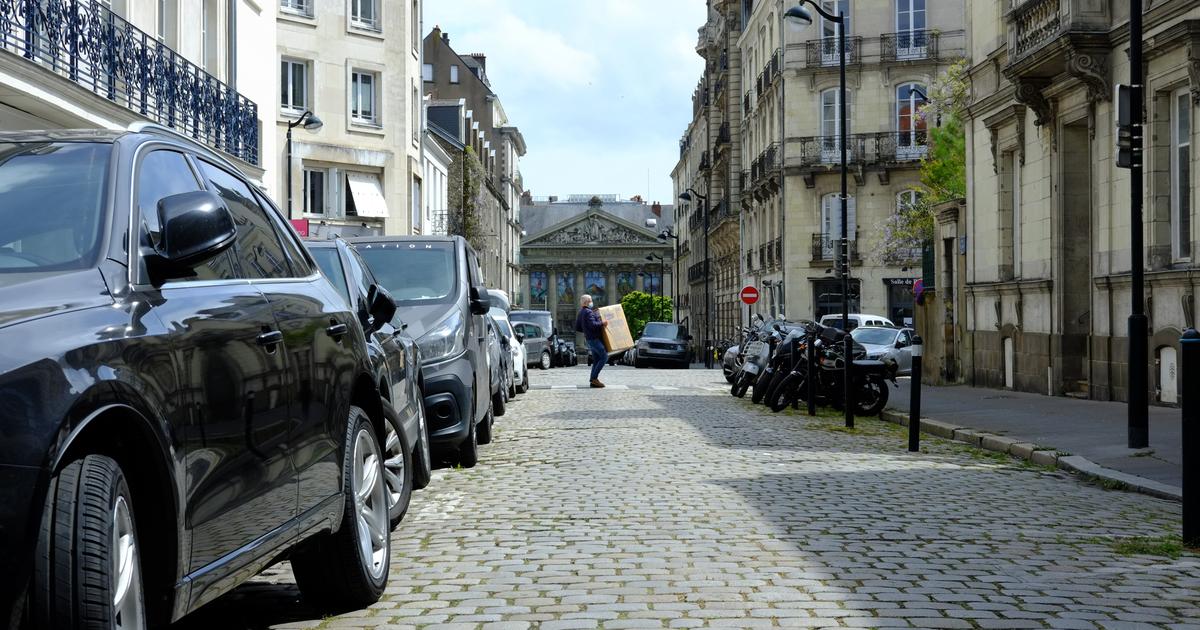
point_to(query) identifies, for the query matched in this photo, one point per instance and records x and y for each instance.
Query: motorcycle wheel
(741, 385)
(773, 386)
(786, 392)
(871, 397)
(760, 385)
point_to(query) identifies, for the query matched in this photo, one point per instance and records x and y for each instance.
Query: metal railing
(908, 45)
(696, 220)
(704, 164)
(825, 247)
(723, 136)
(779, 251)
(743, 179)
(698, 271)
(901, 146)
(95, 48)
(824, 51)
(747, 105)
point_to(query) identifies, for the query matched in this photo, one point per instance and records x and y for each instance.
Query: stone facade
(1047, 220)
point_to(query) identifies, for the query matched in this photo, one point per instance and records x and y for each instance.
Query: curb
(1030, 452)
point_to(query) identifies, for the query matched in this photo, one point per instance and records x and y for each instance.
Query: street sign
(749, 295)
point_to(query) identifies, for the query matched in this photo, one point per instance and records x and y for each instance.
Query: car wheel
(88, 562)
(524, 386)
(349, 569)
(397, 468)
(422, 460)
(468, 451)
(499, 405)
(545, 364)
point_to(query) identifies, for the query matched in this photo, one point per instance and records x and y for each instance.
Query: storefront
(900, 300)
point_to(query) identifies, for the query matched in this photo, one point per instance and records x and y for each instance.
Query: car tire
(88, 571)
(484, 430)
(545, 362)
(524, 386)
(349, 569)
(422, 459)
(468, 450)
(398, 467)
(499, 405)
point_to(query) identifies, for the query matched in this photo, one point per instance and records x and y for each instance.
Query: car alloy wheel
(546, 361)
(127, 582)
(393, 465)
(370, 503)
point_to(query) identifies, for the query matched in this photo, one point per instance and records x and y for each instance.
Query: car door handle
(337, 331)
(270, 338)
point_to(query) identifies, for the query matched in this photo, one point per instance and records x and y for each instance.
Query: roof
(402, 239)
(538, 217)
(63, 135)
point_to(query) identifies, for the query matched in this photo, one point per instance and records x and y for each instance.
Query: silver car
(881, 342)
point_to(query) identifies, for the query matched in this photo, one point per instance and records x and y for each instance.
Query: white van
(856, 320)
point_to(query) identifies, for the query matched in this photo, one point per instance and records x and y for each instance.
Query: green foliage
(641, 308)
(466, 187)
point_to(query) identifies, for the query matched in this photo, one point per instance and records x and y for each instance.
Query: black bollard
(810, 381)
(914, 397)
(1190, 408)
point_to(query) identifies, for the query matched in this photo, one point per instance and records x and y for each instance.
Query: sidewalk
(1093, 430)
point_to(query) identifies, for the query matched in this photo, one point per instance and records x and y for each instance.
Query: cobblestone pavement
(671, 504)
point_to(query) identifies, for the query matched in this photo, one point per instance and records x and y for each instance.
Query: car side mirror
(481, 302)
(520, 338)
(380, 306)
(196, 226)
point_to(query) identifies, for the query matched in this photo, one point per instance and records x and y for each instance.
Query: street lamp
(798, 14)
(662, 238)
(687, 196)
(311, 123)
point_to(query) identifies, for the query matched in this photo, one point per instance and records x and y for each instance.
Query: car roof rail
(150, 128)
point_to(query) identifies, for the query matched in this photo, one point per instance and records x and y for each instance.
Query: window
(168, 18)
(296, 7)
(829, 31)
(910, 124)
(416, 116)
(314, 190)
(287, 237)
(362, 98)
(831, 125)
(330, 264)
(293, 86)
(911, 38)
(364, 14)
(907, 200)
(454, 74)
(414, 18)
(258, 250)
(162, 174)
(1181, 157)
(427, 72)
(210, 36)
(831, 217)
(416, 205)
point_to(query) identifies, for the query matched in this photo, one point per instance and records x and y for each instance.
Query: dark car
(439, 290)
(396, 361)
(546, 322)
(184, 399)
(662, 343)
(537, 345)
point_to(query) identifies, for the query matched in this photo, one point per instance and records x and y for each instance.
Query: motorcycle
(756, 351)
(868, 376)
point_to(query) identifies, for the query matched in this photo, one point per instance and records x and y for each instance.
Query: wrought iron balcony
(901, 146)
(908, 46)
(826, 150)
(723, 133)
(824, 51)
(779, 251)
(696, 220)
(720, 213)
(747, 105)
(93, 47)
(768, 75)
(825, 247)
(698, 271)
(704, 163)
(743, 180)
(1049, 37)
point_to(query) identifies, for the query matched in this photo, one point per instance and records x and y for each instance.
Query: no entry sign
(749, 295)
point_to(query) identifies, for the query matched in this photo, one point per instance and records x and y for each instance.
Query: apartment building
(202, 68)
(1043, 244)
(355, 65)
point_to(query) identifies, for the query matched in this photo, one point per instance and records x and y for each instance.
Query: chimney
(656, 209)
(482, 59)
(527, 198)
(446, 38)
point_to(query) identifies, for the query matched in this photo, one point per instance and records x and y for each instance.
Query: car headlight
(444, 340)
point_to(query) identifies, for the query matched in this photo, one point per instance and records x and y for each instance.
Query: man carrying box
(592, 326)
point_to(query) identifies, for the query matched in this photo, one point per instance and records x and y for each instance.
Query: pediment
(593, 229)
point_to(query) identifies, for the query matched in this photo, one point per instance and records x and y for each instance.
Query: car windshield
(664, 331)
(875, 336)
(331, 265)
(533, 317)
(413, 272)
(52, 201)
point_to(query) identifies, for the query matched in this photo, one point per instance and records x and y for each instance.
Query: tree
(466, 189)
(641, 308)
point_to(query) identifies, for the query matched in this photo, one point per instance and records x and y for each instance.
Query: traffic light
(1129, 133)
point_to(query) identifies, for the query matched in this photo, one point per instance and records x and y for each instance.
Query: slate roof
(539, 216)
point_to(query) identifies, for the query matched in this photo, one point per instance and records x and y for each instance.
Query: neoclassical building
(589, 244)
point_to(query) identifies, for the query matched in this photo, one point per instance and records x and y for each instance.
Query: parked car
(881, 343)
(438, 287)
(184, 399)
(662, 343)
(537, 345)
(856, 320)
(396, 361)
(498, 367)
(519, 379)
(544, 320)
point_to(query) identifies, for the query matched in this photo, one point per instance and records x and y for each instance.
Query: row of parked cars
(189, 392)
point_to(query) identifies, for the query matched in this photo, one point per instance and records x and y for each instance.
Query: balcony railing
(901, 146)
(825, 247)
(95, 48)
(824, 51)
(698, 271)
(770, 72)
(817, 150)
(743, 180)
(723, 133)
(864, 148)
(1033, 23)
(704, 164)
(696, 220)
(747, 105)
(778, 258)
(908, 46)
(723, 210)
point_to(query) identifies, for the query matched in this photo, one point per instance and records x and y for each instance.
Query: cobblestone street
(664, 502)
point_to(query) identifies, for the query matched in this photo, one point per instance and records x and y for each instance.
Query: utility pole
(1139, 411)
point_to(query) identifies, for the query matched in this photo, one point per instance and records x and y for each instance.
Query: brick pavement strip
(671, 504)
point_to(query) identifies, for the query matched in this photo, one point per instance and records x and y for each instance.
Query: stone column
(580, 286)
(526, 288)
(612, 284)
(552, 292)
(639, 281)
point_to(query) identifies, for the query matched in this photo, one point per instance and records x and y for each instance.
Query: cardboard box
(617, 337)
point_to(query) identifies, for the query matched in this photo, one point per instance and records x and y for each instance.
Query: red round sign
(749, 295)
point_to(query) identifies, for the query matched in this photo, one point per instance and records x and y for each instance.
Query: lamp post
(801, 15)
(687, 196)
(662, 238)
(662, 271)
(311, 123)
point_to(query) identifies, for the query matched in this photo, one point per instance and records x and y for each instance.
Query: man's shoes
(596, 383)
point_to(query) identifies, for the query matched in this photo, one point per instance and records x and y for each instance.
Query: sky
(601, 89)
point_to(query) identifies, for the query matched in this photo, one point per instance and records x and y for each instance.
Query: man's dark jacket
(588, 321)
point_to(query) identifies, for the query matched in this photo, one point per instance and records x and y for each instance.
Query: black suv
(184, 398)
